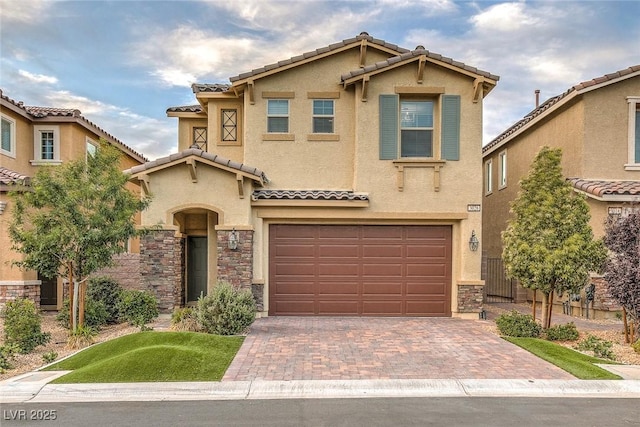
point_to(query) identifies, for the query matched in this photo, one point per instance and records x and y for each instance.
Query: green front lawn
(577, 364)
(150, 357)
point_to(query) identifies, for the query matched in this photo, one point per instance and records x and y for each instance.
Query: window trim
(331, 116)
(12, 137)
(488, 181)
(633, 109)
(38, 130)
(205, 144)
(435, 105)
(287, 115)
(502, 169)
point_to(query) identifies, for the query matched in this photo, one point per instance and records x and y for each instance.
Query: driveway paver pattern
(352, 348)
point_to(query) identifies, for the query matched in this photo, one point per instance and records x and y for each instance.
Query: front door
(196, 267)
(48, 292)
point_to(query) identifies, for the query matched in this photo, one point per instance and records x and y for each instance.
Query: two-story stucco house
(597, 125)
(343, 181)
(33, 137)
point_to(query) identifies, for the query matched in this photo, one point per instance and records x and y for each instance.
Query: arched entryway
(196, 226)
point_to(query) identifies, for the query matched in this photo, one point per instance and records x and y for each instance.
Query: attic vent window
(230, 125)
(200, 138)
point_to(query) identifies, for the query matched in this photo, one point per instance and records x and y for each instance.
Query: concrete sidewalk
(34, 388)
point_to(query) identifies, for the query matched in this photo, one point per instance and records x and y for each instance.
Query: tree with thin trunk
(73, 219)
(622, 269)
(548, 244)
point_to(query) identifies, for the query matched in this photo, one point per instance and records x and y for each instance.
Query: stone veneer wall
(470, 298)
(28, 290)
(125, 271)
(161, 267)
(602, 300)
(236, 266)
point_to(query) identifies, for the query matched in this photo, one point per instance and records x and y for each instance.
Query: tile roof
(542, 108)
(604, 188)
(307, 195)
(9, 177)
(419, 51)
(255, 172)
(210, 87)
(185, 109)
(36, 113)
(320, 51)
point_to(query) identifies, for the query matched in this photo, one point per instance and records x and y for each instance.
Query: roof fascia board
(328, 53)
(189, 160)
(16, 109)
(610, 197)
(186, 115)
(371, 73)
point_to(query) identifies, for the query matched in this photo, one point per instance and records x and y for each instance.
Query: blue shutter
(637, 147)
(388, 127)
(450, 146)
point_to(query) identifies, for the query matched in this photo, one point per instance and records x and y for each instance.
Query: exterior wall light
(233, 240)
(473, 241)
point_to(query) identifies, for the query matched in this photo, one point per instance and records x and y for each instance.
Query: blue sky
(123, 63)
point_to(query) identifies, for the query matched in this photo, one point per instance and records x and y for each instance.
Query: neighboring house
(343, 181)
(34, 137)
(597, 126)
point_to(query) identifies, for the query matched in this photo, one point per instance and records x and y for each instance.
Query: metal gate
(497, 287)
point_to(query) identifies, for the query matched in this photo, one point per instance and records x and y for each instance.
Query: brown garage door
(360, 270)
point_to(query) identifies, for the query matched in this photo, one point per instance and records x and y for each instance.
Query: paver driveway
(349, 348)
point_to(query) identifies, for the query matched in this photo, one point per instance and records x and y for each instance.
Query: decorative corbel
(363, 52)
(144, 183)
(250, 88)
(191, 164)
(477, 89)
(422, 62)
(365, 88)
(240, 180)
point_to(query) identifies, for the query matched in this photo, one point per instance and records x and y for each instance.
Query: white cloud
(37, 78)
(506, 17)
(24, 11)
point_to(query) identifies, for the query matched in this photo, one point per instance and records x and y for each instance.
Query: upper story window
(200, 138)
(8, 146)
(634, 133)
(229, 125)
(416, 128)
(323, 116)
(488, 177)
(91, 147)
(410, 127)
(277, 115)
(46, 144)
(502, 169)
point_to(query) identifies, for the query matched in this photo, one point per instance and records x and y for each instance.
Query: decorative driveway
(351, 348)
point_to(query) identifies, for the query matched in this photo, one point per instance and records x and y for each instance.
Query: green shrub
(566, 332)
(600, 348)
(82, 337)
(185, 320)
(636, 346)
(107, 291)
(7, 352)
(49, 356)
(227, 310)
(138, 307)
(95, 314)
(22, 325)
(515, 324)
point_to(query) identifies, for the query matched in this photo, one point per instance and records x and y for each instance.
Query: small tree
(548, 243)
(76, 217)
(622, 269)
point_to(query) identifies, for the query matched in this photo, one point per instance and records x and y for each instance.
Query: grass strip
(152, 357)
(577, 364)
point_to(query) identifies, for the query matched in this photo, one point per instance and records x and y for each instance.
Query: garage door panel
(360, 270)
(382, 288)
(338, 307)
(337, 288)
(382, 251)
(426, 270)
(382, 270)
(339, 251)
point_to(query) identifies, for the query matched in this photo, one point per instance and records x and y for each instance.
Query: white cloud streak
(37, 78)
